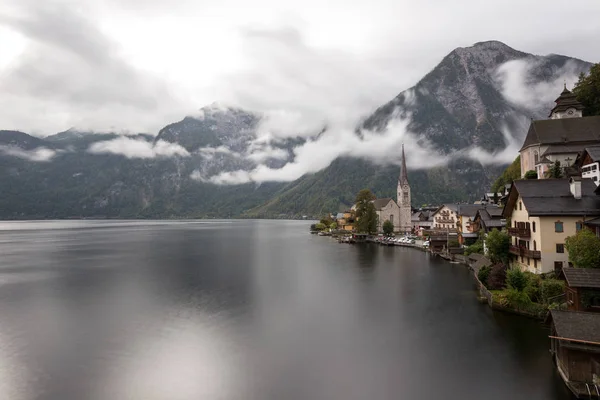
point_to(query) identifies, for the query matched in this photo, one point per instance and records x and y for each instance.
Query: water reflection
(250, 309)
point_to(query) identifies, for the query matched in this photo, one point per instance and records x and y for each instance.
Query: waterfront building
(446, 217)
(582, 288)
(575, 347)
(542, 214)
(387, 209)
(560, 138)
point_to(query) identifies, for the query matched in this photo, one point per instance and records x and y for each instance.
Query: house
(575, 347)
(468, 229)
(445, 218)
(542, 214)
(387, 209)
(345, 221)
(561, 138)
(422, 220)
(588, 163)
(489, 218)
(583, 288)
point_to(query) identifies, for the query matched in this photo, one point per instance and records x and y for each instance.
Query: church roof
(565, 131)
(403, 179)
(566, 100)
(380, 203)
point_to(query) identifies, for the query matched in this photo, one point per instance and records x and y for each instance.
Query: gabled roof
(553, 197)
(577, 325)
(567, 131)
(582, 277)
(562, 149)
(380, 203)
(450, 206)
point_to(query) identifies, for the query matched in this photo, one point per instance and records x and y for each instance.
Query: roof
(593, 152)
(470, 210)
(380, 203)
(582, 277)
(566, 131)
(403, 178)
(553, 197)
(562, 149)
(593, 222)
(577, 325)
(566, 100)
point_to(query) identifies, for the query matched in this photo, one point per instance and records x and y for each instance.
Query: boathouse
(583, 288)
(575, 346)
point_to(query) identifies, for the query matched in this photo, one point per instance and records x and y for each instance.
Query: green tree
(587, 91)
(320, 226)
(333, 225)
(497, 243)
(476, 247)
(496, 198)
(388, 228)
(551, 289)
(365, 212)
(584, 249)
(516, 279)
(512, 172)
(531, 174)
(554, 171)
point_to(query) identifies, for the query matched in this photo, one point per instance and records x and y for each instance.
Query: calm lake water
(249, 310)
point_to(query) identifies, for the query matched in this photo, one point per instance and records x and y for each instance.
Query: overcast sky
(137, 65)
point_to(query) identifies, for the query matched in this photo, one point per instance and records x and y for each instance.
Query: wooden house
(575, 347)
(583, 288)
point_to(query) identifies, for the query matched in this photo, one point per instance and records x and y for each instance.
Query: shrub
(313, 227)
(497, 277)
(453, 243)
(483, 274)
(517, 298)
(550, 288)
(476, 247)
(531, 174)
(320, 226)
(516, 279)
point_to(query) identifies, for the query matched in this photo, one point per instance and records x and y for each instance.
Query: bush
(483, 274)
(313, 227)
(453, 243)
(497, 278)
(475, 248)
(551, 288)
(516, 279)
(531, 174)
(320, 226)
(517, 298)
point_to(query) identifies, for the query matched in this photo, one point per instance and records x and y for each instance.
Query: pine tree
(587, 91)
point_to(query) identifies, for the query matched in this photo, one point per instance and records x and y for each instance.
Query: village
(533, 246)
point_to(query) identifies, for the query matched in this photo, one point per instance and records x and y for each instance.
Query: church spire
(403, 180)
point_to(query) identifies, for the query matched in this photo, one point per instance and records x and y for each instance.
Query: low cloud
(138, 148)
(519, 88)
(41, 154)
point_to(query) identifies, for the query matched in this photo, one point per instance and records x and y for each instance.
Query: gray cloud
(40, 154)
(138, 148)
(71, 74)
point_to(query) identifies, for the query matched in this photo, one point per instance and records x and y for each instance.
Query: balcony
(519, 232)
(442, 220)
(524, 252)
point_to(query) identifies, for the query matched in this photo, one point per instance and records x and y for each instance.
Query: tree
(584, 249)
(554, 171)
(531, 174)
(512, 172)
(365, 212)
(333, 226)
(497, 277)
(516, 279)
(388, 228)
(587, 90)
(497, 243)
(496, 198)
(320, 226)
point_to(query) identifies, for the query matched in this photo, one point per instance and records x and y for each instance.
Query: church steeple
(403, 179)
(567, 105)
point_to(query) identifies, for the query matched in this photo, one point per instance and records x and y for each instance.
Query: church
(561, 137)
(398, 212)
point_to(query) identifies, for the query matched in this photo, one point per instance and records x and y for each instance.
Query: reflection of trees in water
(367, 255)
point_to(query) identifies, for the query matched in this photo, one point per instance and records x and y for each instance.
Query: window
(536, 157)
(534, 245)
(560, 248)
(533, 226)
(578, 226)
(558, 226)
(520, 205)
(535, 263)
(392, 218)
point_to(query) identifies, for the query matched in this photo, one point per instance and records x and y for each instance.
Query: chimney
(575, 185)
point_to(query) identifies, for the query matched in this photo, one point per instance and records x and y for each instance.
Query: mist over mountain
(461, 124)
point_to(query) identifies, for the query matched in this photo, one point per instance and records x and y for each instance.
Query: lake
(249, 310)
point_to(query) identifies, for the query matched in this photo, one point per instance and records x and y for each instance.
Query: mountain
(457, 106)
(460, 104)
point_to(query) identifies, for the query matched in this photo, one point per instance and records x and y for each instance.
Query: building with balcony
(588, 162)
(446, 218)
(542, 214)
